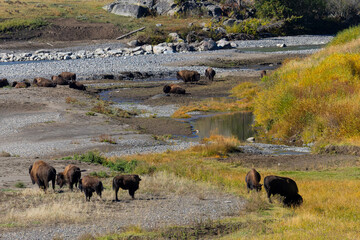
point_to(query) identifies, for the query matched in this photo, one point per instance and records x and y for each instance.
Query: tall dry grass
(316, 98)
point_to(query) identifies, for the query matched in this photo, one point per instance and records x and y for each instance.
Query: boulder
(128, 8)
(223, 44)
(207, 44)
(230, 22)
(214, 11)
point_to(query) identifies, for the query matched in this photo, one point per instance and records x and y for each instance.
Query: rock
(182, 47)
(207, 44)
(191, 37)
(158, 25)
(281, 45)
(133, 43)
(148, 48)
(129, 9)
(161, 48)
(162, 7)
(214, 11)
(230, 22)
(223, 44)
(220, 30)
(233, 45)
(174, 36)
(250, 139)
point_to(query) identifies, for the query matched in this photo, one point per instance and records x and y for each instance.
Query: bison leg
(53, 183)
(116, 194)
(132, 193)
(71, 184)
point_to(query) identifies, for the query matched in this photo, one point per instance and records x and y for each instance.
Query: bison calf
(252, 180)
(59, 80)
(173, 88)
(88, 185)
(126, 182)
(77, 85)
(285, 187)
(41, 173)
(210, 73)
(188, 76)
(4, 82)
(71, 175)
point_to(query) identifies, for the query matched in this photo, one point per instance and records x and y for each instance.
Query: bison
(59, 80)
(69, 76)
(4, 82)
(126, 182)
(23, 84)
(77, 85)
(210, 73)
(88, 185)
(173, 88)
(41, 173)
(71, 175)
(43, 82)
(285, 187)
(252, 180)
(263, 73)
(188, 76)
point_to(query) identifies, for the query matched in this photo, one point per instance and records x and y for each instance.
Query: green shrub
(20, 185)
(346, 35)
(100, 174)
(91, 157)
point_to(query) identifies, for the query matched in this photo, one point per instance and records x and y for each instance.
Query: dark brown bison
(69, 76)
(23, 84)
(77, 85)
(71, 175)
(59, 80)
(285, 187)
(252, 180)
(41, 173)
(210, 73)
(4, 82)
(188, 76)
(262, 74)
(88, 185)
(127, 182)
(173, 88)
(43, 82)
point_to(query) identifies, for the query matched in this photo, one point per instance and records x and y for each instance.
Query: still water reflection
(235, 124)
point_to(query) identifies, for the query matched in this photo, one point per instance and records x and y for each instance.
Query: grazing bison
(71, 175)
(262, 74)
(210, 73)
(4, 82)
(188, 76)
(69, 76)
(88, 185)
(43, 82)
(252, 180)
(126, 182)
(77, 85)
(173, 88)
(41, 173)
(59, 80)
(285, 187)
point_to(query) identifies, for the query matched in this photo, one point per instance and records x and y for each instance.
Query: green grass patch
(19, 24)
(19, 185)
(346, 36)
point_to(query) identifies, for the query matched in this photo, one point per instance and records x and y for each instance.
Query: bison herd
(42, 173)
(283, 186)
(64, 78)
(188, 77)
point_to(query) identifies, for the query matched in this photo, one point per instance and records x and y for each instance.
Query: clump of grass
(162, 137)
(100, 174)
(212, 105)
(218, 146)
(346, 36)
(20, 185)
(107, 139)
(104, 107)
(19, 24)
(248, 26)
(71, 100)
(90, 114)
(91, 157)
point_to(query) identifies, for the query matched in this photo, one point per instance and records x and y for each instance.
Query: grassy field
(330, 209)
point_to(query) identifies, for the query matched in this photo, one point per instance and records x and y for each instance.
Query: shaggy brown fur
(23, 84)
(88, 185)
(59, 80)
(77, 85)
(71, 175)
(69, 76)
(173, 88)
(188, 76)
(210, 73)
(43, 82)
(262, 74)
(126, 182)
(252, 180)
(41, 173)
(4, 82)
(285, 187)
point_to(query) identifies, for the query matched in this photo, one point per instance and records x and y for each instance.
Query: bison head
(258, 187)
(60, 179)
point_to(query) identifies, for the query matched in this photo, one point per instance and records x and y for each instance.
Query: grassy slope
(316, 98)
